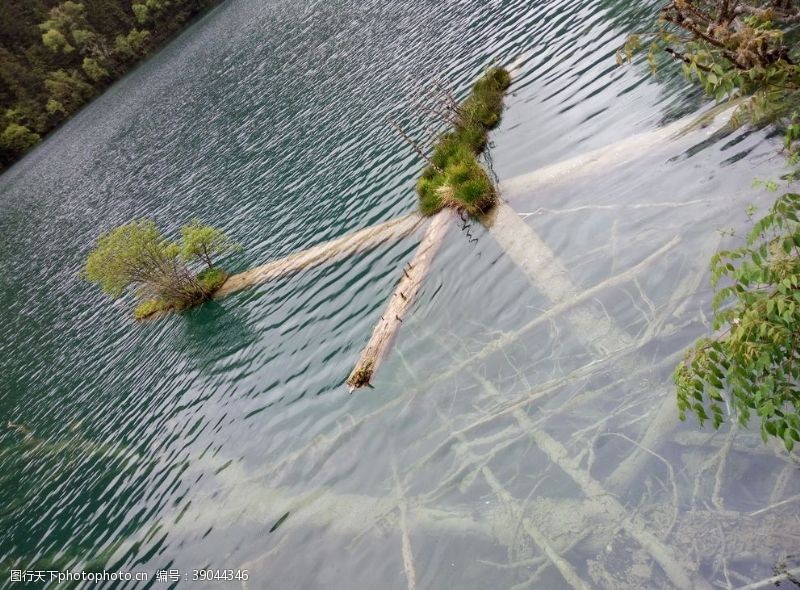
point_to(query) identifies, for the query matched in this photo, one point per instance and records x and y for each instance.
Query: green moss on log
(454, 177)
(211, 279)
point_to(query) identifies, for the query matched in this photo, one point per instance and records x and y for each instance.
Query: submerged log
(352, 243)
(597, 500)
(677, 570)
(598, 161)
(404, 294)
(596, 329)
(515, 512)
(549, 275)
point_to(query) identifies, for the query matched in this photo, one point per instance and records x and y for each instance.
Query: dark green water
(185, 443)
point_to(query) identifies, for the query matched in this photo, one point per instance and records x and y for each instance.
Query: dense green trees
(18, 138)
(57, 55)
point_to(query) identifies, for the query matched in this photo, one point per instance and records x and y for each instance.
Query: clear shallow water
(182, 443)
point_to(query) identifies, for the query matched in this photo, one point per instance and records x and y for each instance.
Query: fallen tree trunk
(597, 501)
(400, 301)
(546, 271)
(626, 150)
(515, 512)
(352, 243)
(325, 445)
(595, 329)
(679, 573)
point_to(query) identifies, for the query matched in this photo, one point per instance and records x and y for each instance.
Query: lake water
(500, 446)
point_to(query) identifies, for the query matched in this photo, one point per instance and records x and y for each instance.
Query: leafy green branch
(737, 51)
(744, 52)
(753, 364)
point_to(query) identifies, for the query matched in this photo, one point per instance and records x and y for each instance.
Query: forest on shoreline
(57, 56)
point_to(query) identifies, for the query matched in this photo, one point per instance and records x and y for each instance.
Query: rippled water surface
(501, 447)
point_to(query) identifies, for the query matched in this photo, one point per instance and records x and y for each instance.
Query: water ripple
(180, 443)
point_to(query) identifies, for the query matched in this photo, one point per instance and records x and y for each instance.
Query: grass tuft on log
(454, 177)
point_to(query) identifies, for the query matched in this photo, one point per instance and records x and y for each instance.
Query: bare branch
(413, 144)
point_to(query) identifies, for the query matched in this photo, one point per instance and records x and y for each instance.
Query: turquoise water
(224, 438)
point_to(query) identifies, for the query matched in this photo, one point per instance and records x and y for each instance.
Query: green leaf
(788, 441)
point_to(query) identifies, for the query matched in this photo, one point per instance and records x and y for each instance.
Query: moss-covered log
(454, 177)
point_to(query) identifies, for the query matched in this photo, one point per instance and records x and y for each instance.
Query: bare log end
(361, 376)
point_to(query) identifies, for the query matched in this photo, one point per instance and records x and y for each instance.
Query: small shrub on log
(136, 257)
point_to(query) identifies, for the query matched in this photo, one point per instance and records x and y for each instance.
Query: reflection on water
(507, 443)
(213, 333)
